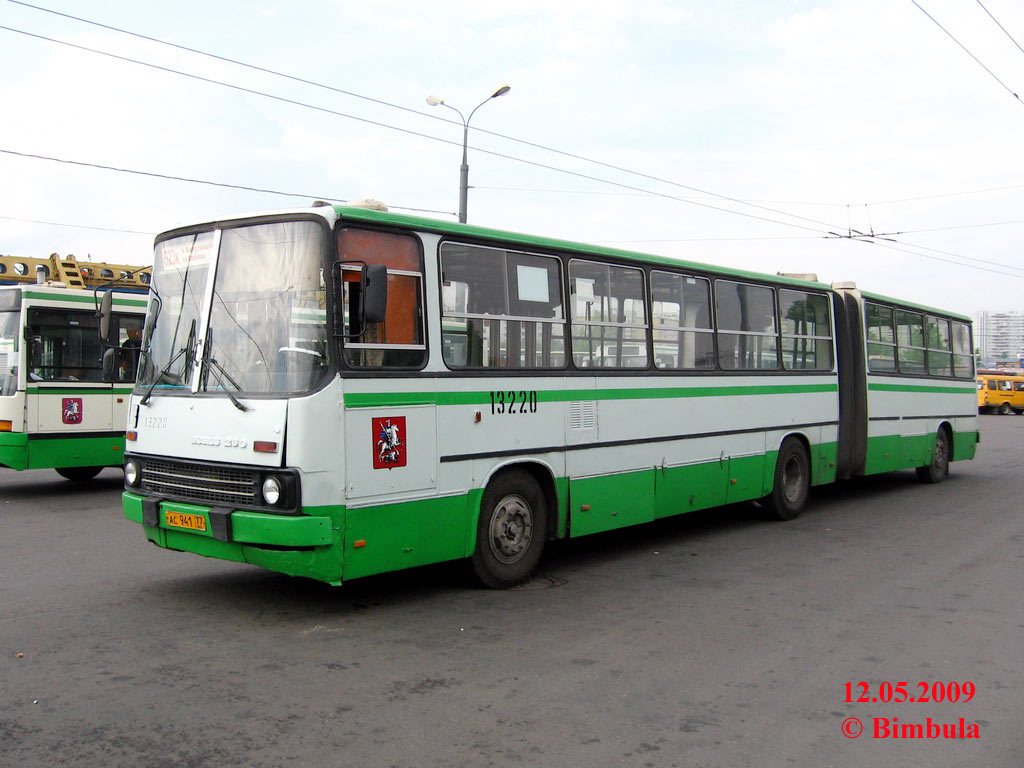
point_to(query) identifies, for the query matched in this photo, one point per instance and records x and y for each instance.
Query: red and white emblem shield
(389, 442)
(72, 410)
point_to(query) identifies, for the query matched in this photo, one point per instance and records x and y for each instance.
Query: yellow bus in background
(1000, 393)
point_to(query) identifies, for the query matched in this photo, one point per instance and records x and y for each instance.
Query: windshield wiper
(209, 363)
(165, 374)
(218, 370)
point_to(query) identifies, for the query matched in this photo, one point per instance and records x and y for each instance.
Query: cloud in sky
(821, 113)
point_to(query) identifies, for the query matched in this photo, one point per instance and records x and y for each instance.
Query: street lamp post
(464, 168)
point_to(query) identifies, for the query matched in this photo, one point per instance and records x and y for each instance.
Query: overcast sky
(735, 132)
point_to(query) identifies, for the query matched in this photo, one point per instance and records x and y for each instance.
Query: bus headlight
(132, 472)
(271, 490)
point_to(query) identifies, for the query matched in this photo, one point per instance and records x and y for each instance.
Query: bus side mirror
(375, 293)
(363, 301)
(104, 314)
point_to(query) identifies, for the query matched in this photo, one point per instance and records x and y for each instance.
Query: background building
(1000, 337)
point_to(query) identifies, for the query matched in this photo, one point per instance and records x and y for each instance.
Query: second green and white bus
(337, 392)
(60, 406)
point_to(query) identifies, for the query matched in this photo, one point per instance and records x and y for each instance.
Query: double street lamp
(464, 168)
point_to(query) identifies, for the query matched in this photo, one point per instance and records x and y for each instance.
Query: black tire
(78, 474)
(792, 485)
(938, 469)
(510, 532)
(1005, 410)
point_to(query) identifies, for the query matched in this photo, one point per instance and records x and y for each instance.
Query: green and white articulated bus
(337, 392)
(60, 406)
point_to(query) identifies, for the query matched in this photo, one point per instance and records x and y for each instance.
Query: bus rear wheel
(78, 474)
(937, 470)
(1005, 410)
(792, 485)
(510, 532)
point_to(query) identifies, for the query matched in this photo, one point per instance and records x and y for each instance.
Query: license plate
(182, 520)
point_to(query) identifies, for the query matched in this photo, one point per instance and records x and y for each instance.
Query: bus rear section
(1000, 393)
(908, 388)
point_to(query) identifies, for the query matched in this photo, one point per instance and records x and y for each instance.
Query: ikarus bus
(63, 392)
(337, 392)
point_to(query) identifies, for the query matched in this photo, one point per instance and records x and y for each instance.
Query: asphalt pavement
(713, 639)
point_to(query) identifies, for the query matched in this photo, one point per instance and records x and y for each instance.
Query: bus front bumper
(14, 450)
(298, 545)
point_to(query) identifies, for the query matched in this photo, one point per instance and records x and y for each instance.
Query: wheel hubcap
(792, 480)
(511, 529)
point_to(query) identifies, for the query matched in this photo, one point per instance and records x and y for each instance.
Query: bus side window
(129, 339)
(681, 321)
(64, 345)
(963, 359)
(747, 333)
(881, 337)
(500, 308)
(806, 330)
(940, 347)
(910, 339)
(609, 317)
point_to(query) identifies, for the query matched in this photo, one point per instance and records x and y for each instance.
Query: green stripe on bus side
(86, 296)
(395, 399)
(921, 388)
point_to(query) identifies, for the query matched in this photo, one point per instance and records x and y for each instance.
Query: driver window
(399, 341)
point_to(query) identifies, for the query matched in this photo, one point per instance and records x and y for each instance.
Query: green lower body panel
(888, 453)
(965, 445)
(21, 451)
(615, 501)
(14, 450)
(823, 465)
(335, 543)
(750, 477)
(685, 489)
(884, 454)
(611, 501)
(391, 537)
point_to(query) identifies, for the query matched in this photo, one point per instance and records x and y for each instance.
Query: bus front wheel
(937, 470)
(78, 474)
(510, 532)
(792, 484)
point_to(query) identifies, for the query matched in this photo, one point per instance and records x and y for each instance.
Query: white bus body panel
(46, 410)
(12, 409)
(208, 428)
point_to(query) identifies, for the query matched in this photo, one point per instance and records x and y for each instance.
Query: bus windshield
(266, 329)
(8, 352)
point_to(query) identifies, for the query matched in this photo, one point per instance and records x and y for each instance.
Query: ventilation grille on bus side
(583, 414)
